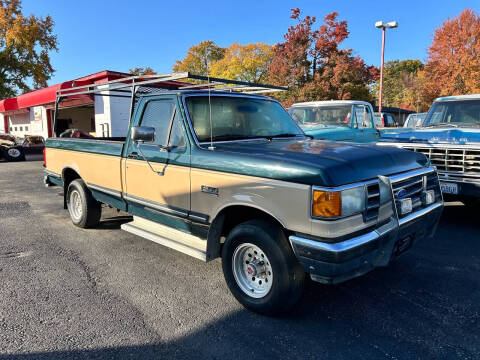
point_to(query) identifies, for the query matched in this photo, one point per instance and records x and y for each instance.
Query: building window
(15, 128)
(26, 128)
(21, 128)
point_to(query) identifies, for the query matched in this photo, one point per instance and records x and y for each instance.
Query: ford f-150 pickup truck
(450, 137)
(231, 175)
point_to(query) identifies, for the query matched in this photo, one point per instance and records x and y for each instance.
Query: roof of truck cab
(458, 97)
(331, 102)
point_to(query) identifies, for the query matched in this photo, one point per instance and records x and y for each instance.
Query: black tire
(288, 276)
(86, 211)
(471, 202)
(13, 154)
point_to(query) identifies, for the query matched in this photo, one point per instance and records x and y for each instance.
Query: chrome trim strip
(335, 248)
(413, 173)
(155, 205)
(419, 213)
(432, 145)
(345, 187)
(199, 218)
(105, 190)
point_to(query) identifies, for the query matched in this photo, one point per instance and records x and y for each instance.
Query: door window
(363, 117)
(177, 136)
(158, 114)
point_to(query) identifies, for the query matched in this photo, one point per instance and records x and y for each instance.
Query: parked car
(340, 120)
(450, 137)
(384, 120)
(33, 145)
(414, 120)
(15, 149)
(223, 174)
(10, 150)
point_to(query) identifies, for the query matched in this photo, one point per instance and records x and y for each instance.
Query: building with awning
(32, 113)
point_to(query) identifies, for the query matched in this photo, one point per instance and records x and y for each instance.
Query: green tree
(199, 58)
(248, 62)
(399, 83)
(25, 43)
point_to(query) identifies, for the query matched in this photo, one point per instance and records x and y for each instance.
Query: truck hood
(312, 162)
(339, 133)
(450, 135)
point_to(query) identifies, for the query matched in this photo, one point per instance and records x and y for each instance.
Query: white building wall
(112, 115)
(2, 123)
(32, 123)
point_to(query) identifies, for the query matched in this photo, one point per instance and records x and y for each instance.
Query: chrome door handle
(133, 156)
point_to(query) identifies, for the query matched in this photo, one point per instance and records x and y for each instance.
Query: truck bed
(102, 145)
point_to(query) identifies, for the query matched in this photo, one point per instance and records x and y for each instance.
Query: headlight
(332, 204)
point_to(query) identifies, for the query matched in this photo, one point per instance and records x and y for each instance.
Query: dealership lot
(104, 293)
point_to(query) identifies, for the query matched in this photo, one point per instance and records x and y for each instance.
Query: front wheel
(260, 268)
(84, 210)
(14, 154)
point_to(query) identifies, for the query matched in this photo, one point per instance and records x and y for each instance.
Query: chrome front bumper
(335, 262)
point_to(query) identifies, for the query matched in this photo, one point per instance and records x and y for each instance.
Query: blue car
(339, 120)
(450, 137)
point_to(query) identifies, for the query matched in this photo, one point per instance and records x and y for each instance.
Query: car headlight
(333, 204)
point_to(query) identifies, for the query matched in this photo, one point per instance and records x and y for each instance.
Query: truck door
(364, 123)
(160, 192)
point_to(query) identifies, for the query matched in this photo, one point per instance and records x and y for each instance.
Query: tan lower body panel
(167, 236)
(97, 169)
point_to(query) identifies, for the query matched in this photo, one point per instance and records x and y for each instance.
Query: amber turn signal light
(327, 204)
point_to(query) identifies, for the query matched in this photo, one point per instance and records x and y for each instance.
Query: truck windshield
(237, 117)
(338, 115)
(454, 113)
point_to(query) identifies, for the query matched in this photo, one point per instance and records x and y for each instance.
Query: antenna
(211, 147)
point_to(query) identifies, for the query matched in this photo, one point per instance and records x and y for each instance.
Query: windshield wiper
(284, 135)
(233, 138)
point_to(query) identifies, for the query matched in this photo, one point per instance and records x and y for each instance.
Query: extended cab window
(158, 114)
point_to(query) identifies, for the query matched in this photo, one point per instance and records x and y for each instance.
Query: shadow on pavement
(113, 223)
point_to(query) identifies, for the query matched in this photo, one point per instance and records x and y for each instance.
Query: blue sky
(118, 35)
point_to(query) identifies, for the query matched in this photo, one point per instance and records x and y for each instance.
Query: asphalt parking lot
(103, 293)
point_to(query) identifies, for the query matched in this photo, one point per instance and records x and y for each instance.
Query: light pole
(383, 26)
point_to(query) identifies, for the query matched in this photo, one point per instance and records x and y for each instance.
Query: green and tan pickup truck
(231, 175)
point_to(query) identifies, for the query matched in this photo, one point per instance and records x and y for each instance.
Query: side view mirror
(142, 134)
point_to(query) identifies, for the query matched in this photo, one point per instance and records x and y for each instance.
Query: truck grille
(373, 202)
(456, 164)
(414, 187)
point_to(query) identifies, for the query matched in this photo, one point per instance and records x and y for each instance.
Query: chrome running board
(166, 236)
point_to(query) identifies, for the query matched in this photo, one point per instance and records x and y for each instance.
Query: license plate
(449, 188)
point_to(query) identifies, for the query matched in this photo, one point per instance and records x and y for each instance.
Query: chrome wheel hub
(252, 270)
(75, 205)
(13, 153)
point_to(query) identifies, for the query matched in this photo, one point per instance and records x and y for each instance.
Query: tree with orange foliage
(453, 64)
(311, 63)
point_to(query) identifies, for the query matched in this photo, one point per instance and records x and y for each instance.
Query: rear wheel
(84, 210)
(260, 268)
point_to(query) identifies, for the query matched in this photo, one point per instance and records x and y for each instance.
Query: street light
(383, 26)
